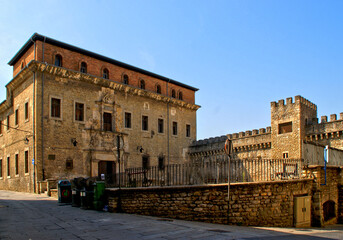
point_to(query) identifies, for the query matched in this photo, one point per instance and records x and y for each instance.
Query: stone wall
(256, 204)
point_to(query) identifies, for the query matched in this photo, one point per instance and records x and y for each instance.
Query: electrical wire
(15, 128)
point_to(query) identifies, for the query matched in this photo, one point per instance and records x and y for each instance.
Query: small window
(83, 67)
(160, 125)
(105, 73)
(161, 163)
(17, 164)
(79, 112)
(0, 127)
(174, 128)
(16, 117)
(26, 111)
(285, 127)
(188, 130)
(26, 156)
(158, 88)
(145, 162)
(22, 65)
(1, 168)
(173, 94)
(69, 163)
(145, 123)
(51, 157)
(127, 120)
(58, 60)
(142, 84)
(8, 122)
(180, 96)
(126, 79)
(285, 155)
(107, 121)
(55, 107)
(8, 167)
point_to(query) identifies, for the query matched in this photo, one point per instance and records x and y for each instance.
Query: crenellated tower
(288, 122)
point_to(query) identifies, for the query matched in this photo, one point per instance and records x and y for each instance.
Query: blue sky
(240, 54)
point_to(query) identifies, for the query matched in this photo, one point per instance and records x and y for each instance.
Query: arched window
(58, 60)
(142, 84)
(83, 67)
(105, 73)
(180, 96)
(173, 93)
(126, 79)
(158, 88)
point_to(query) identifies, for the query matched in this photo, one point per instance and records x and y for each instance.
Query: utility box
(302, 211)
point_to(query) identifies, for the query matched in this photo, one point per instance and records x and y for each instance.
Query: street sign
(33, 161)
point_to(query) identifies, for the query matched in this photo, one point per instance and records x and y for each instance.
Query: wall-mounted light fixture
(74, 142)
(140, 149)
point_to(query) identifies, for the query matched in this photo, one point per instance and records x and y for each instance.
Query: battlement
(297, 99)
(324, 119)
(254, 132)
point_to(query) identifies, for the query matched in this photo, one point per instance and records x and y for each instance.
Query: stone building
(67, 108)
(294, 129)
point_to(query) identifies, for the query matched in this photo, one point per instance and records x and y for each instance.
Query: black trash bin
(87, 194)
(77, 185)
(64, 191)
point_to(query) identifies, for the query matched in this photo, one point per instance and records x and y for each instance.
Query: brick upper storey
(72, 57)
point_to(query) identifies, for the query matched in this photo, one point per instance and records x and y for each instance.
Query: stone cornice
(75, 75)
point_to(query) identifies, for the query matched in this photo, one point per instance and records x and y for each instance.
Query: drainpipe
(42, 117)
(33, 120)
(168, 148)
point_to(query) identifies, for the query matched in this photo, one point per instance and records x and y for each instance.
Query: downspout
(168, 147)
(326, 160)
(34, 119)
(42, 116)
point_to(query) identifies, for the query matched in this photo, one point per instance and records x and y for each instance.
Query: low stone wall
(257, 204)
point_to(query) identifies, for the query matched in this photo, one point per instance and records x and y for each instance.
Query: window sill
(8, 177)
(80, 122)
(27, 120)
(125, 128)
(55, 118)
(1, 135)
(1, 178)
(17, 175)
(27, 174)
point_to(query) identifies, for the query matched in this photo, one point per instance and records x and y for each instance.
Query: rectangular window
(285, 155)
(69, 164)
(285, 127)
(26, 111)
(160, 125)
(55, 107)
(0, 127)
(145, 123)
(16, 164)
(174, 128)
(107, 121)
(8, 122)
(79, 112)
(26, 156)
(188, 130)
(145, 162)
(0, 168)
(127, 120)
(16, 117)
(8, 167)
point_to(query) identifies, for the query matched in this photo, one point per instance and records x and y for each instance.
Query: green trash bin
(99, 193)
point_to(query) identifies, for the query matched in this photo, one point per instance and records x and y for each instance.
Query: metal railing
(212, 172)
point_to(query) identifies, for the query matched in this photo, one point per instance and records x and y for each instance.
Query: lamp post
(228, 150)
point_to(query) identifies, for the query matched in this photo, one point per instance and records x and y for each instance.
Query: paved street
(32, 216)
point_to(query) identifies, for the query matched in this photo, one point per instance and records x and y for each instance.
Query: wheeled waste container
(64, 191)
(99, 192)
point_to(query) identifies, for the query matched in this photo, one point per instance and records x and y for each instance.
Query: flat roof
(54, 42)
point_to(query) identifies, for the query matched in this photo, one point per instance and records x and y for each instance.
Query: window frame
(16, 164)
(105, 73)
(61, 107)
(8, 119)
(161, 163)
(188, 130)
(173, 93)
(125, 79)
(125, 125)
(57, 55)
(180, 96)
(16, 117)
(26, 110)
(283, 128)
(26, 162)
(158, 125)
(146, 165)
(84, 111)
(8, 166)
(174, 128)
(142, 84)
(104, 127)
(143, 121)
(83, 67)
(158, 89)
(1, 169)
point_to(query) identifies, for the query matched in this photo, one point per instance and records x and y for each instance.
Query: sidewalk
(32, 216)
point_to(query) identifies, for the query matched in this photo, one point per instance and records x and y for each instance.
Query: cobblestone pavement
(31, 216)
